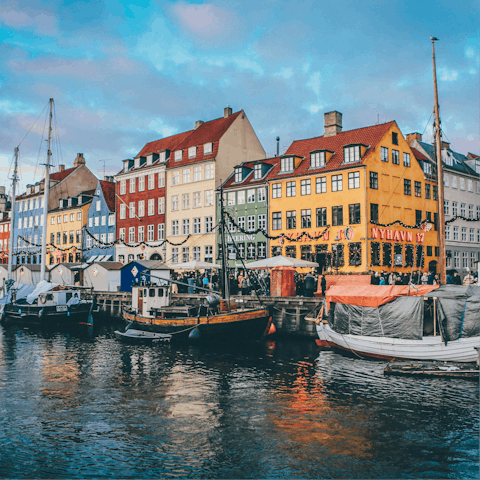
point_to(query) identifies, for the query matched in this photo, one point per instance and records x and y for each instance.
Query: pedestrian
(456, 279)
(244, 285)
(424, 278)
(468, 279)
(449, 279)
(309, 285)
(323, 285)
(382, 281)
(205, 281)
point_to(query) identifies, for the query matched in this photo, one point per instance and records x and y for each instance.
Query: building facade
(354, 201)
(461, 182)
(101, 223)
(5, 219)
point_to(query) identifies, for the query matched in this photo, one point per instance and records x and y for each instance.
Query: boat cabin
(148, 298)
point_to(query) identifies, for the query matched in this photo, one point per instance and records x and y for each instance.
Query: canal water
(80, 404)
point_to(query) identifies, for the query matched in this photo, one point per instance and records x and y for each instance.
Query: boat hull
(79, 314)
(235, 326)
(429, 348)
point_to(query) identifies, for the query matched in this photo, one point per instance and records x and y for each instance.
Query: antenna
(104, 169)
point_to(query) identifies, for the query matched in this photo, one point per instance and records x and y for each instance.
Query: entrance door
(140, 301)
(322, 261)
(432, 266)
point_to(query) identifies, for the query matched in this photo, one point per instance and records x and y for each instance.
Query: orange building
(355, 201)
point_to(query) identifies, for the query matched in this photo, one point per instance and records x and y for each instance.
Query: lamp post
(335, 249)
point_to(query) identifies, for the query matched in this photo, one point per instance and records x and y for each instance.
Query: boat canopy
(42, 287)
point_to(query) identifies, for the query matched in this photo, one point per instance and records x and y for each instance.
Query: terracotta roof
(249, 180)
(418, 155)
(369, 136)
(168, 143)
(108, 189)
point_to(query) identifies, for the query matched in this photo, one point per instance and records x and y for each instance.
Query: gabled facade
(346, 190)
(245, 198)
(461, 181)
(29, 207)
(5, 219)
(100, 225)
(196, 167)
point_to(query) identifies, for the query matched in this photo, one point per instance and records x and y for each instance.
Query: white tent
(280, 261)
(195, 265)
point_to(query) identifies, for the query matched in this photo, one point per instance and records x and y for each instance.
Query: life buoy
(42, 298)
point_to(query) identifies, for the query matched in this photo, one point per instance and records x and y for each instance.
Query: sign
(396, 235)
(398, 259)
(240, 238)
(232, 256)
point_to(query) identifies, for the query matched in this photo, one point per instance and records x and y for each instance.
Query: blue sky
(123, 74)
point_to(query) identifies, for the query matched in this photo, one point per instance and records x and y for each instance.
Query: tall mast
(438, 154)
(12, 215)
(46, 190)
(226, 289)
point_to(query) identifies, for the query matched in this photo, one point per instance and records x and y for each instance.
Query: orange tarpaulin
(373, 295)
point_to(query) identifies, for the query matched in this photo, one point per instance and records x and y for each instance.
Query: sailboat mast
(226, 289)
(46, 190)
(12, 215)
(441, 196)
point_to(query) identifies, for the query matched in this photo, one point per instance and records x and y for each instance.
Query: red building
(4, 236)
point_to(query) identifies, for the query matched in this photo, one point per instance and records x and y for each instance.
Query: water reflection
(79, 403)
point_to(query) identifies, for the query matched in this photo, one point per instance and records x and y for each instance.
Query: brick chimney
(445, 145)
(333, 123)
(414, 136)
(227, 111)
(79, 160)
(61, 168)
(198, 123)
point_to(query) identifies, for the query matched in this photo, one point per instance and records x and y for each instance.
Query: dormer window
(163, 156)
(287, 164)
(192, 152)
(477, 166)
(178, 155)
(69, 202)
(207, 148)
(317, 159)
(137, 162)
(257, 171)
(238, 175)
(449, 159)
(351, 154)
(125, 166)
(150, 159)
(427, 168)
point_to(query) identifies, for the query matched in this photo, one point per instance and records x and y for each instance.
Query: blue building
(101, 223)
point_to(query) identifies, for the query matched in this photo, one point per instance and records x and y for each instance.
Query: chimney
(445, 145)
(2, 190)
(227, 111)
(414, 136)
(79, 160)
(333, 123)
(108, 178)
(61, 168)
(198, 123)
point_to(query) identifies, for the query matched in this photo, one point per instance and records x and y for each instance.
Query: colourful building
(354, 201)
(65, 229)
(5, 219)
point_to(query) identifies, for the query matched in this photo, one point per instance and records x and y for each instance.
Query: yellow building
(65, 229)
(347, 200)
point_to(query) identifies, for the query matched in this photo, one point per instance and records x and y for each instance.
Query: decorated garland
(404, 225)
(460, 217)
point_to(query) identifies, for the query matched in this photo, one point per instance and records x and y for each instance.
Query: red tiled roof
(418, 155)
(369, 136)
(108, 189)
(249, 180)
(168, 143)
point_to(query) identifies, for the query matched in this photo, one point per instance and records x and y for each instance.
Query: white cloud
(315, 83)
(285, 73)
(448, 75)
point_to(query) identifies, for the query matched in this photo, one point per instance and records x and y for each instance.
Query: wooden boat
(142, 336)
(433, 369)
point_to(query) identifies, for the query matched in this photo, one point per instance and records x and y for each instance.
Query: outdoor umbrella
(195, 265)
(280, 261)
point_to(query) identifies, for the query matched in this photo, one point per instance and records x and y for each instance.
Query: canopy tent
(280, 261)
(195, 265)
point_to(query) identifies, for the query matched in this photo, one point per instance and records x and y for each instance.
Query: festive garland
(460, 217)
(404, 225)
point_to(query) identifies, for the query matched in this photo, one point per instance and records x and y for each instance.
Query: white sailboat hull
(429, 348)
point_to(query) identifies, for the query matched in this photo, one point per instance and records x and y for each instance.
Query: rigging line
(427, 124)
(33, 125)
(40, 149)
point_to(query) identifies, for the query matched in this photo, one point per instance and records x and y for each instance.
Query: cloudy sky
(126, 73)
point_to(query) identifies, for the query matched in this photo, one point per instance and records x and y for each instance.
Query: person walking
(323, 285)
(309, 285)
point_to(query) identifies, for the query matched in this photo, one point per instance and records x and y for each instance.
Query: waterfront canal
(77, 404)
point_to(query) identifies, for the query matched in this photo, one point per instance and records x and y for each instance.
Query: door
(140, 301)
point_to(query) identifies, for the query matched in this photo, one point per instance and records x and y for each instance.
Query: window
(306, 216)
(71, 236)
(261, 194)
(207, 148)
(131, 234)
(110, 237)
(174, 203)
(197, 174)
(192, 152)
(374, 212)
(456, 259)
(151, 181)
(250, 251)
(374, 180)
(141, 233)
(241, 197)
(186, 226)
(174, 227)
(208, 172)
(251, 195)
(470, 211)
(406, 159)
(98, 205)
(175, 255)
(454, 181)
(65, 220)
(131, 210)
(447, 232)
(161, 205)
(276, 190)
(257, 171)
(276, 220)
(132, 185)
(473, 260)
(353, 180)
(141, 208)
(395, 138)
(208, 198)
(427, 168)
(305, 187)
(317, 159)
(464, 259)
(321, 185)
(337, 183)
(454, 209)
(354, 213)
(427, 190)
(395, 157)
(418, 217)
(123, 210)
(462, 183)
(241, 223)
(151, 207)
(103, 220)
(141, 183)
(161, 231)
(418, 189)
(52, 221)
(321, 217)
(337, 215)
(186, 175)
(175, 178)
(261, 250)
(196, 200)
(208, 224)
(472, 235)
(384, 153)
(178, 155)
(185, 201)
(464, 234)
(111, 219)
(351, 154)
(462, 209)
(455, 233)
(197, 225)
(407, 187)
(251, 223)
(291, 189)
(262, 222)
(287, 164)
(209, 253)
(291, 219)
(231, 198)
(123, 187)
(161, 180)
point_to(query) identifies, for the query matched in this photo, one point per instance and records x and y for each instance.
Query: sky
(124, 74)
